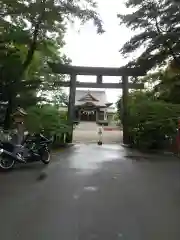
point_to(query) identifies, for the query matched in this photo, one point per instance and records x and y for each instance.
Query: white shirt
(100, 130)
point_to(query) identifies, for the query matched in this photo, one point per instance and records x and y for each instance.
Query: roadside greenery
(152, 122)
(50, 120)
(153, 113)
(31, 36)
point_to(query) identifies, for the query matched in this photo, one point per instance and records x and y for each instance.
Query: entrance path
(91, 192)
(86, 132)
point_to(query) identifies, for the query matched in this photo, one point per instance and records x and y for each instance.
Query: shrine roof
(97, 98)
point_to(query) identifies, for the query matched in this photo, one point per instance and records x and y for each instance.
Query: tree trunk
(7, 120)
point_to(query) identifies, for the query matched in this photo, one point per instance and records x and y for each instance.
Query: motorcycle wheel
(45, 156)
(6, 163)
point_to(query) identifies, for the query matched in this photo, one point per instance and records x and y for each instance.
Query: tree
(37, 77)
(163, 84)
(153, 112)
(157, 24)
(151, 120)
(34, 26)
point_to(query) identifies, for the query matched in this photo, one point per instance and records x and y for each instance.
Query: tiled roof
(98, 98)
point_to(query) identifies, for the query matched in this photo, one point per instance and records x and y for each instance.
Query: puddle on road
(92, 159)
(77, 195)
(91, 188)
(89, 159)
(112, 147)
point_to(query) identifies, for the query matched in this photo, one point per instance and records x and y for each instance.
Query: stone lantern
(19, 117)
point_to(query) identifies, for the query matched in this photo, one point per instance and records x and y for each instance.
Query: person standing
(100, 132)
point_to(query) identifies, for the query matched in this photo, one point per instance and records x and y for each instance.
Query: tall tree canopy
(157, 27)
(32, 34)
(154, 112)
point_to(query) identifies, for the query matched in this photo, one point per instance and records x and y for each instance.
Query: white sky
(86, 48)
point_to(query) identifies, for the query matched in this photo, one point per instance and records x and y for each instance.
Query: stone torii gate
(99, 72)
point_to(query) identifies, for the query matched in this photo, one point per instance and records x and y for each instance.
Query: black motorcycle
(34, 148)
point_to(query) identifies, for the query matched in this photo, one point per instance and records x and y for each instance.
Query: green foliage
(151, 120)
(48, 118)
(157, 28)
(163, 85)
(31, 35)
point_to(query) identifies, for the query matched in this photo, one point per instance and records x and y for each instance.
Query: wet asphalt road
(92, 192)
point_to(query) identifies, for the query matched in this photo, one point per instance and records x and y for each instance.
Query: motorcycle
(34, 148)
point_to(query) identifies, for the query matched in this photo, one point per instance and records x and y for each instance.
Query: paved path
(86, 132)
(92, 192)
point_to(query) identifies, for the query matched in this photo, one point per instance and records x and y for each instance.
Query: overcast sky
(86, 48)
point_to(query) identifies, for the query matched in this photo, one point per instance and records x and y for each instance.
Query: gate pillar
(71, 104)
(125, 92)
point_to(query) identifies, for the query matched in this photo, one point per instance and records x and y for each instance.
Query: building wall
(110, 118)
(100, 114)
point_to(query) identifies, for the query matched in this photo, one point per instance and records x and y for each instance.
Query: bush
(151, 121)
(48, 118)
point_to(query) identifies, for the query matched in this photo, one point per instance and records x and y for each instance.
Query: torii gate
(99, 72)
